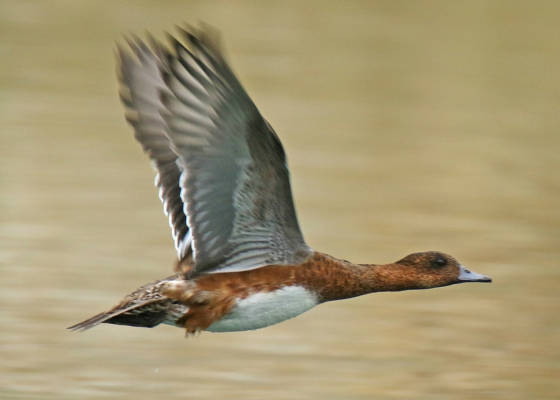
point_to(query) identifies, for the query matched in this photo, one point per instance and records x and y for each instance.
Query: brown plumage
(224, 182)
(210, 297)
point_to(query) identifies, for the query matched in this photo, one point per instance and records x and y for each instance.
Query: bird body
(224, 182)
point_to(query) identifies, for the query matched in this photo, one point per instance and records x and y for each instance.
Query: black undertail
(146, 319)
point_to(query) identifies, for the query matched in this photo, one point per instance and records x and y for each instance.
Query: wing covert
(221, 169)
(235, 182)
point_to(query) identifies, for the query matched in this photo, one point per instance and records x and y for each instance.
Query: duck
(223, 179)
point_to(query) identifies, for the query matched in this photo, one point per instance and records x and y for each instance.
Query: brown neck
(341, 280)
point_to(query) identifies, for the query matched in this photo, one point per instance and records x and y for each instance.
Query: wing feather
(141, 85)
(235, 184)
(221, 170)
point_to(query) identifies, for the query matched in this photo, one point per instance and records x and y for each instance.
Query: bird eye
(440, 262)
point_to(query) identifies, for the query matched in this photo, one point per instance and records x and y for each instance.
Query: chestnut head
(433, 269)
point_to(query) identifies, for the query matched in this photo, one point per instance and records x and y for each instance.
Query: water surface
(408, 127)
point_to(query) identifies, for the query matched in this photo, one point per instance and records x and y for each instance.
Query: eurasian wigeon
(224, 182)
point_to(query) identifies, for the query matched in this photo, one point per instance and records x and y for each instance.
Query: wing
(235, 180)
(141, 84)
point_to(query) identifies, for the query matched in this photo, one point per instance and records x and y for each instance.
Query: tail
(91, 322)
(145, 307)
(135, 315)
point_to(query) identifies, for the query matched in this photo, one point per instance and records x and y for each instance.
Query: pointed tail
(145, 307)
(146, 314)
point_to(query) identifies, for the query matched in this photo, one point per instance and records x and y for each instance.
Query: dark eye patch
(439, 262)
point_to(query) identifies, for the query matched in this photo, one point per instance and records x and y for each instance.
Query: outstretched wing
(141, 84)
(236, 182)
(234, 179)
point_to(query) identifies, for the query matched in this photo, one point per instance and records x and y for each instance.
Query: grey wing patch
(235, 182)
(141, 84)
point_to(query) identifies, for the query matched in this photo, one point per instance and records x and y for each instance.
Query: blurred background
(409, 126)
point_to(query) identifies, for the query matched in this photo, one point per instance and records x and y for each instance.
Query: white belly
(266, 308)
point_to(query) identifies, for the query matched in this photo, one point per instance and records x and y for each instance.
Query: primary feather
(222, 171)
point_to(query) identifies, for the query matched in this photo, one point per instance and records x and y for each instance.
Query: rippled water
(409, 126)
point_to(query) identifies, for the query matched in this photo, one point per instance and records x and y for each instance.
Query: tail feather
(91, 322)
(145, 307)
(136, 314)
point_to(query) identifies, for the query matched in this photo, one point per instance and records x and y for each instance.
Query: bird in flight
(224, 183)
